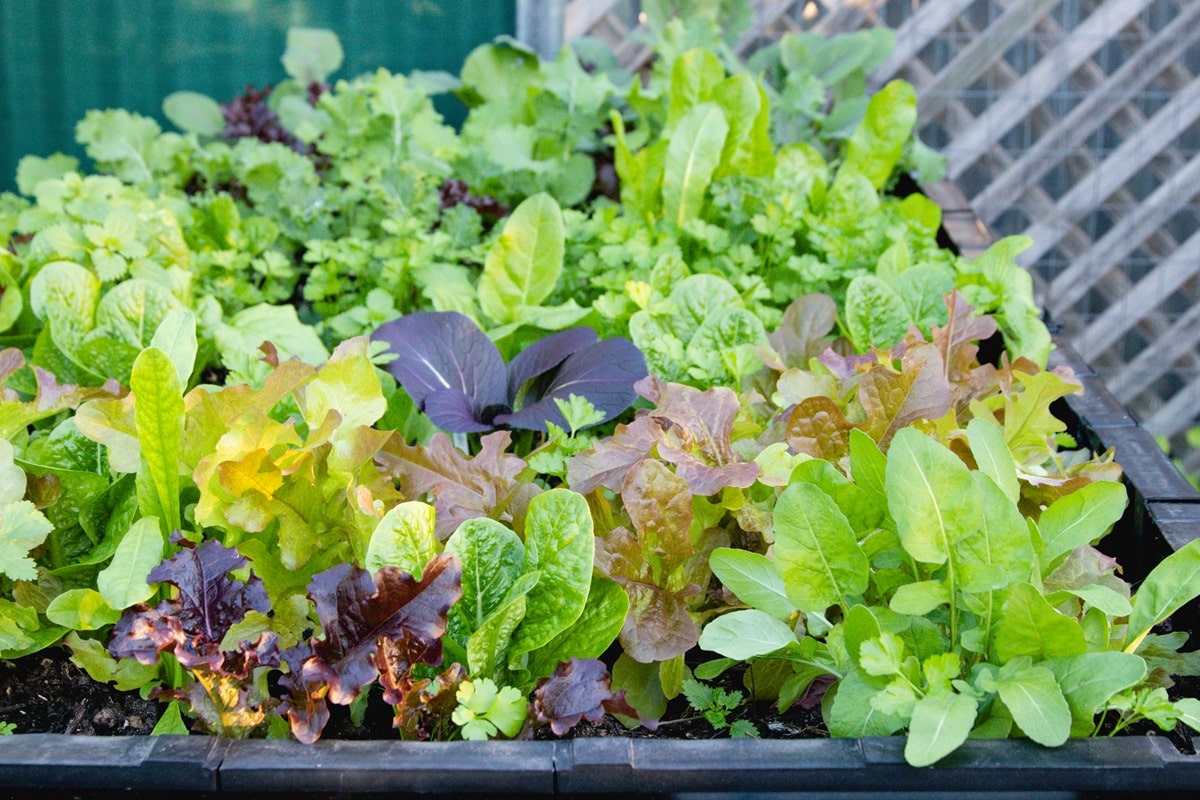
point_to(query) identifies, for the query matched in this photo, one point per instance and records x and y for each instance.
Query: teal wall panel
(59, 58)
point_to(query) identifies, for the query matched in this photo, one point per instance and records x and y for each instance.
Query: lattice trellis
(1075, 122)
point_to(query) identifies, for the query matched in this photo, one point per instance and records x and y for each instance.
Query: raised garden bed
(899, 637)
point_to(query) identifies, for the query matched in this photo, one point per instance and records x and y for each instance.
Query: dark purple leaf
(580, 689)
(451, 410)
(439, 350)
(305, 705)
(393, 621)
(545, 354)
(604, 373)
(193, 624)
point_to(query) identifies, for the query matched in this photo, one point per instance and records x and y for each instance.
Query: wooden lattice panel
(1075, 122)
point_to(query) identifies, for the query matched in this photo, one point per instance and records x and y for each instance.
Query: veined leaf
(405, 538)
(992, 455)
(159, 415)
(940, 724)
(1033, 697)
(523, 265)
(1088, 680)
(746, 634)
(1175, 581)
(123, 582)
(754, 579)
(492, 558)
(816, 550)
(878, 143)
(176, 336)
(931, 496)
(597, 628)
(692, 157)
(1079, 518)
(81, 610)
(1030, 626)
(559, 544)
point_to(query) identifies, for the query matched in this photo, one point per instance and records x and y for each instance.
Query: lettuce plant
(455, 374)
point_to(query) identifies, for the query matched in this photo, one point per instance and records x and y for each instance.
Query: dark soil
(46, 693)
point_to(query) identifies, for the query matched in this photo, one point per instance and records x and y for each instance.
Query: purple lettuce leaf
(580, 689)
(461, 487)
(804, 331)
(390, 622)
(696, 435)
(604, 373)
(192, 624)
(305, 705)
(609, 461)
(445, 350)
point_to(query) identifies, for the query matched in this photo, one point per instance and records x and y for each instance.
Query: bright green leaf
(123, 582)
(754, 579)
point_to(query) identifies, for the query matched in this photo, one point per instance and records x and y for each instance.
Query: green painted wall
(59, 58)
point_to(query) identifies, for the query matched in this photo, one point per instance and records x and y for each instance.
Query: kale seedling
(715, 704)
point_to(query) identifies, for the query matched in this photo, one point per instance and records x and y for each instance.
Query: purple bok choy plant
(456, 375)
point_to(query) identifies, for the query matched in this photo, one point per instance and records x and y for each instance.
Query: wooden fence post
(540, 25)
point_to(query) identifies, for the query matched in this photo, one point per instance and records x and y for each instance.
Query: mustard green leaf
(193, 112)
(931, 496)
(1035, 700)
(940, 724)
(853, 715)
(523, 265)
(919, 598)
(692, 156)
(858, 627)
(746, 634)
(81, 610)
(1030, 626)
(999, 553)
(754, 579)
(816, 551)
(1088, 680)
(1081, 517)
(992, 455)
(1173, 582)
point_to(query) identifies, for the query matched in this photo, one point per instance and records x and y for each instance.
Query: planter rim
(193, 765)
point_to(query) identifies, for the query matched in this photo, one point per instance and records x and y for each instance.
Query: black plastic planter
(1163, 515)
